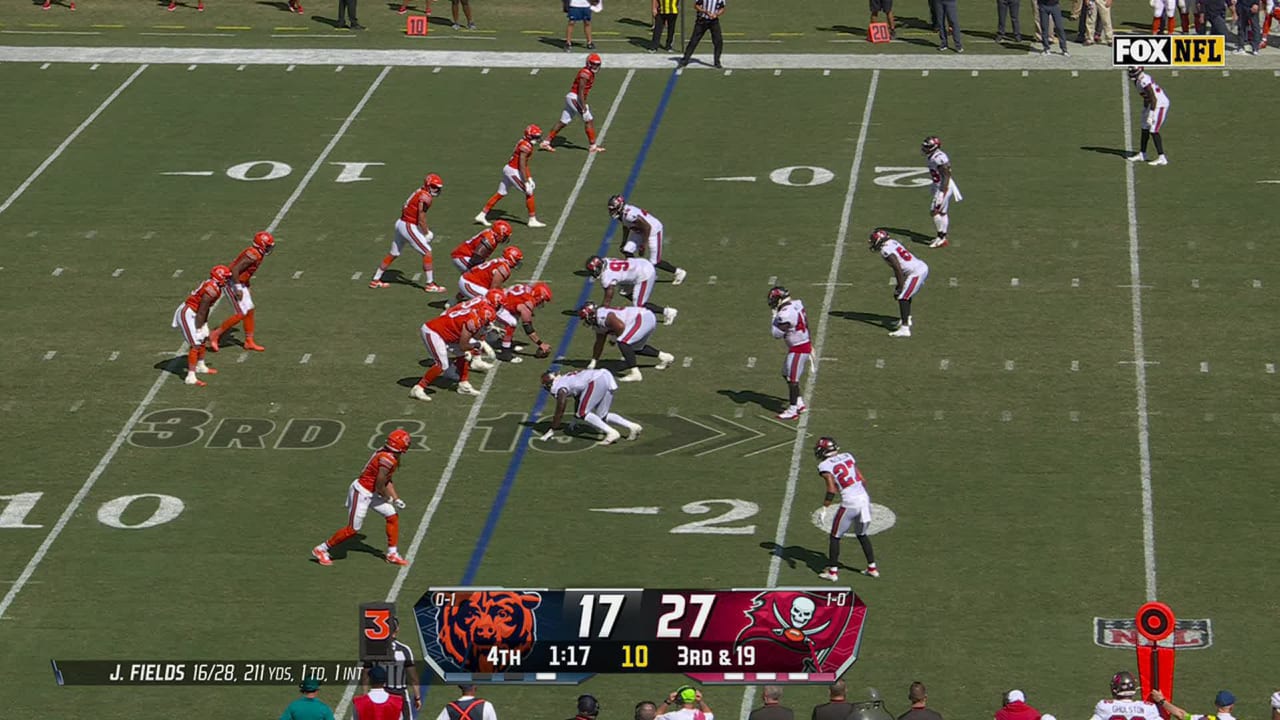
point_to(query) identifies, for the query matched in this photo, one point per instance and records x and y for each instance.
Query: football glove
(398, 503)
(1151, 119)
(530, 185)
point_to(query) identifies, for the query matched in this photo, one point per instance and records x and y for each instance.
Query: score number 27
(678, 604)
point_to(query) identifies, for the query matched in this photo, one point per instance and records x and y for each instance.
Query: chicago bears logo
(476, 623)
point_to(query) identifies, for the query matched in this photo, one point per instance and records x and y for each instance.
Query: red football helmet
(264, 242)
(588, 314)
(825, 448)
(533, 133)
(513, 255)
(595, 265)
(777, 296)
(494, 297)
(502, 229)
(548, 377)
(876, 239)
(433, 184)
(220, 274)
(593, 62)
(399, 440)
(616, 203)
(930, 144)
(541, 293)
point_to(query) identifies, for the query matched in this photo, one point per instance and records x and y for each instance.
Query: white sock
(430, 275)
(616, 419)
(323, 547)
(392, 550)
(594, 421)
(377, 275)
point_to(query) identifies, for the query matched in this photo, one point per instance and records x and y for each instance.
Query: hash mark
(773, 280)
(1271, 368)
(177, 273)
(953, 282)
(871, 414)
(148, 234)
(879, 363)
(1257, 283)
(297, 274)
(306, 358)
(205, 237)
(1208, 417)
(436, 70)
(49, 355)
(826, 73)
(944, 364)
(356, 276)
(1195, 282)
(91, 235)
(1008, 365)
(115, 355)
(339, 68)
(688, 360)
(1075, 366)
(533, 71)
(973, 73)
(1226, 73)
(739, 411)
(190, 68)
(1075, 416)
(57, 271)
(776, 73)
(33, 233)
(76, 405)
(289, 69)
(924, 73)
(243, 357)
(93, 66)
(751, 362)
(1174, 73)
(711, 280)
(1204, 367)
(240, 68)
(118, 272)
(1075, 282)
(728, 72)
(937, 414)
(1025, 73)
(1006, 415)
(368, 359)
(1013, 282)
(44, 66)
(484, 71)
(1075, 73)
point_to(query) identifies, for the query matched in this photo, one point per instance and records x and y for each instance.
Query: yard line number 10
(675, 608)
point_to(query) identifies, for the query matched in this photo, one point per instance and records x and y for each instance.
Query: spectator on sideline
(465, 706)
(1224, 701)
(1246, 25)
(709, 12)
(691, 706)
(578, 11)
(646, 710)
(377, 703)
(772, 708)
(887, 7)
(1050, 10)
(1215, 15)
(919, 698)
(836, 707)
(466, 11)
(947, 13)
(665, 12)
(1009, 9)
(1098, 10)
(307, 707)
(348, 8)
(1015, 701)
(588, 707)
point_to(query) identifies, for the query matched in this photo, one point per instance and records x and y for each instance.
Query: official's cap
(377, 674)
(309, 685)
(1224, 699)
(1014, 696)
(688, 695)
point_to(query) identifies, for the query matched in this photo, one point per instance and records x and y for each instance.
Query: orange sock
(193, 357)
(552, 136)
(200, 353)
(493, 200)
(1168, 25)
(508, 336)
(386, 261)
(430, 375)
(591, 135)
(427, 268)
(230, 323)
(393, 530)
(340, 537)
(464, 368)
(528, 202)
(248, 324)
(1155, 25)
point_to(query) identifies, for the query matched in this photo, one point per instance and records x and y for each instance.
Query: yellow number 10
(635, 656)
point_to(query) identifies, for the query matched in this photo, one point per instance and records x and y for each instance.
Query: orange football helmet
(533, 133)
(433, 184)
(220, 274)
(513, 255)
(541, 293)
(593, 62)
(399, 440)
(502, 229)
(264, 242)
(494, 297)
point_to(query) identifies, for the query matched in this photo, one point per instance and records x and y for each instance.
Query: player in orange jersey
(374, 489)
(489, 274)
(237, 290)
(447, 338)
(411, 229)
(192, 317)
(478, 249)
(515, 174)
(1272, 13)
(517, 306)
(575, 103)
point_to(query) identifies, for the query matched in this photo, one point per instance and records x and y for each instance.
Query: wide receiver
(636, 272)
(448, 338)
(237, 290)
(594, 391)
(1155, 109)
(517, 306)
(192, 318)
(575, 103)
(791, 325)
(1123, 701)
(481, 245)
(374, 489)
(632, 327)
(640, 227)
(944, 188)
(840, 471)
(412, 229)
(909, 274)
(515, 174)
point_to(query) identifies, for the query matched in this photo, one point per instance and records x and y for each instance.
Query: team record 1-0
(774, 635)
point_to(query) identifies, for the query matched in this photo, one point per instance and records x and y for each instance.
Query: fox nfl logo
(1169, 51)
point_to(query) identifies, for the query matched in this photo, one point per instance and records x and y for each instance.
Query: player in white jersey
(1123, 701)
(942, 191)
(631, 327)
(594, 392)
(1155, 109)
(636, 272)
(840, 471)
(909, 273)
(791, 325)
(639, 226)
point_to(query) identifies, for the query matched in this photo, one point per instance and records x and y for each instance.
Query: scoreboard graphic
(776, 635)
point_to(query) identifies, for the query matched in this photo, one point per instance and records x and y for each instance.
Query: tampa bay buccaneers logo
(476, 623)
(802, 630)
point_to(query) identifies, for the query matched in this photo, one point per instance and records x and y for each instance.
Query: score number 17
(612, 604)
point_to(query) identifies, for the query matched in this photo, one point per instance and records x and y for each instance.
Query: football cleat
(220, 274)
(481, 219)
(399, 440)
(669, 315)
(1162, 160)
(902, 331)
(535, 222)
(634, 430)
(825, 448)
(611, 436)
(546, 145)
(193, 380)
(213, 340)
(502, 229)
(832, 574)
(478, 363)
(664, 360)
(419, 393)
(877, 239)
(434, 288)
(791, 413)
(616, 203)
(593, 62)
(1123, 685)
(321, 556)
(433, 184)
(1137, 157)
(205, 369)
(395, 559)
(513, 255)
(264, 242)
(679, 276)
(939, 243)
(632, 375)
(930, 144)
(1136, 71)
(465, 388)
(375, 284)
(595, 265)
(533, 133)
(588, 314)
(777, 296)
(251, 345)
(871, 571)
(800, 406)
(595, 148)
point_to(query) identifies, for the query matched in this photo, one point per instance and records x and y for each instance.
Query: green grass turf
(823, 26)
(1012, 534)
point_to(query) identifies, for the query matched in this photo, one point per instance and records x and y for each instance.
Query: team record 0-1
(774, 635)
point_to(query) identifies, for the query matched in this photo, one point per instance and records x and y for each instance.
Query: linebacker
(909, 273)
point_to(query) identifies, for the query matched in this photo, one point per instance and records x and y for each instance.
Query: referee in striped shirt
(664, 12)
(402, 676)
(709, 12)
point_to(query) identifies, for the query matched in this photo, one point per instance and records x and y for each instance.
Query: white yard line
(147, 399)
(70, 138)
(469, 425)
(819, 340)
(1139, 357)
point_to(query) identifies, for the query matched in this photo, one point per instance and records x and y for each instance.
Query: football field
(1084, 418)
